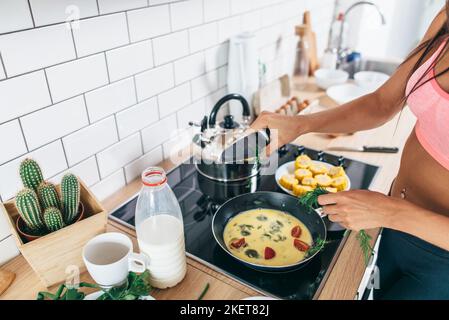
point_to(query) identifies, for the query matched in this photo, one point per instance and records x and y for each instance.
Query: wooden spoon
(6, 278)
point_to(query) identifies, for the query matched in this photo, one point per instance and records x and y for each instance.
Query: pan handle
(320, 212)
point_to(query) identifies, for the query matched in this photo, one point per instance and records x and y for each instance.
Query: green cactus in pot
(48, 196)
(70, 190)
(29, 209)
(53, 219)
(31, 174)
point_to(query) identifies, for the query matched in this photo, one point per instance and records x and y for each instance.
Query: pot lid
(235, 146)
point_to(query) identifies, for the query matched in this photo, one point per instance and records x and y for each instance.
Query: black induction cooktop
(200, 197)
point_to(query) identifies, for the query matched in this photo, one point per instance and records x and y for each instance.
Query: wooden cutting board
(6, 278)
(313, 52)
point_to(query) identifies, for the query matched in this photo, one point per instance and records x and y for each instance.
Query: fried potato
(288, 181)
(318, 168)
(336, 172)
(331, 190)
(340, 183)
(323, 180)
(303, 173)
(300, 190)
(303, 162)
(309, 181)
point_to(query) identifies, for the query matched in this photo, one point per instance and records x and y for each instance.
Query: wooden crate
(52, 254)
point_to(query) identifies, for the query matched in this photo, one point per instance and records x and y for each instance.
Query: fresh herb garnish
(365, 243)
(310, 201)
(65, 293)
(203, 293)
(317, 246)
(138, 285)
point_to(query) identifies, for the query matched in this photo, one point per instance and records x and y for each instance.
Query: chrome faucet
(342, 53)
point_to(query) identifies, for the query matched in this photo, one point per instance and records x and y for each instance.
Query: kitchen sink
(384, 66)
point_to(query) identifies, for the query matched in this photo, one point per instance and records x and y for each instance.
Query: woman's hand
(361, 209)
(283, 129)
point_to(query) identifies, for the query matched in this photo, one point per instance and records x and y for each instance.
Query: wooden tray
(54, 256)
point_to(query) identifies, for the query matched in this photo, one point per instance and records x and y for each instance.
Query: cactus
(70, 189)
(31, 174)
(29, 209)
(53, 219)
(48, 196)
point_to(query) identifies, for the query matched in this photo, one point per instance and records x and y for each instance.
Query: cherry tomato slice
(300, 245)
(296, 232)
(269, 253)
(238, 243)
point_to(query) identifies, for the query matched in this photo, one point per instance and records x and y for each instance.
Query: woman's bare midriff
(422, 179)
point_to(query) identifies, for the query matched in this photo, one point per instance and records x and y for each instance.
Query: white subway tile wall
(110, 99)
(100, 34)
(104, 88)
(127, 61)
(15, 15)
(69, 79)
(40, 127)
(36, 48)
(53, 11)
(137, 117)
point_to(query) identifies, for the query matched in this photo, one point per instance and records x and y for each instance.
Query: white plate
(346, 92)
(289, 168)
(370, 80)
(95, 295)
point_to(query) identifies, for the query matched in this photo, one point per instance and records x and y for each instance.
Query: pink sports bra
(430, 104)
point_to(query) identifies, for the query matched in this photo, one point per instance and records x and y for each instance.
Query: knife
(366, 149)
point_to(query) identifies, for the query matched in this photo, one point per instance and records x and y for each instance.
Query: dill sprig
(310, 201)
(365, 244)
(317, 246)
(203, 293)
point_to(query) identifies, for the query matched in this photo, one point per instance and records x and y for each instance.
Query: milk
(161, 238)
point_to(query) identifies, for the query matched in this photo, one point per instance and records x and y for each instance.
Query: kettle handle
(222, 101)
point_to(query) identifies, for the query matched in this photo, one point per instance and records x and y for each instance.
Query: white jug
(243, 70)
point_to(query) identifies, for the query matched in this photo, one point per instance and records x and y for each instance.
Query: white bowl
(346, 92)
(371, 80)
(326, 78)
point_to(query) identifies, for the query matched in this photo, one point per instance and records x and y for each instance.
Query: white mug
(109, 257)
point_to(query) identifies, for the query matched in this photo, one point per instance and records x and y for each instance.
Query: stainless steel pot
(230, 151)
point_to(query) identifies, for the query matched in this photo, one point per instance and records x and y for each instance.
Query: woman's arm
(361, 209)
(365, 113)
(374, 109)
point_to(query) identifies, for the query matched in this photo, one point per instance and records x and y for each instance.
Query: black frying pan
(267, 200)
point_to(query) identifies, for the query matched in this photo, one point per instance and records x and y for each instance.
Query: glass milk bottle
(160, 230)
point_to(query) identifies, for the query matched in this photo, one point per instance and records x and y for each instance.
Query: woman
(414, 250)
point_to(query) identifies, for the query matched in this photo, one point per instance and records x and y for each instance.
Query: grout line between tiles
(107, 67)
(3, 65)
(73, 40)
(23, 134)
(127, 27)
(87, 109)
(98, 7)
(31, 13)
(49, 91)
(65, 154)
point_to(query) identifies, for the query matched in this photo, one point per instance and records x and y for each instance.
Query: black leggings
(411, 269)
